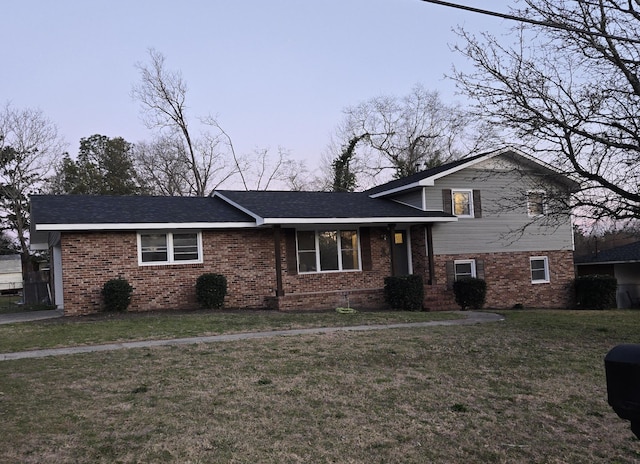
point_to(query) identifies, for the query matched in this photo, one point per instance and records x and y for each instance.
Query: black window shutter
(477, 204)
(446, 201)
(290, 247)
(365, 248)
(480, 269)
(451, 274)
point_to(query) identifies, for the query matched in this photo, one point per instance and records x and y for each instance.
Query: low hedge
(116, 294)
(595, 291)
(404, 292)
(211, 290)
(470, 293)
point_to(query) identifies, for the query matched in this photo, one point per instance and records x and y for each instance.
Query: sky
(274, 73)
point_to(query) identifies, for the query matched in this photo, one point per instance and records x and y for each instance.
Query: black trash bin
(622, 367)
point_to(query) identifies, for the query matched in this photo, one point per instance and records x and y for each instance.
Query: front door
(400, 253)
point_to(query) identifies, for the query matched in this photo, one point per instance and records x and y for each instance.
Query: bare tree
(161, 167)
(264, 170)
(568, 87)
(30, 148)
(408, 134)
(162, 94)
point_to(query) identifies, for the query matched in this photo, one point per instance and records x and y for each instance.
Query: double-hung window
(539, 270)
(169, 247)
(328, 250)
(462, 203)
(464, 268)
(535, 203)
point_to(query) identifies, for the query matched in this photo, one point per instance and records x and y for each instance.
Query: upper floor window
(539, 270)
(328, 250)
(536, 203)
(462, 203)
(169, 248)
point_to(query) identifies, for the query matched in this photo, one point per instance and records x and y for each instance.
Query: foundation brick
(246, 258)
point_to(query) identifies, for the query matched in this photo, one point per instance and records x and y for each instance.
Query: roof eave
(141, 226)
(627, 261)
(360, 220)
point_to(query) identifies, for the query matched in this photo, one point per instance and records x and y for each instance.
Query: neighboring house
(486, 216)
(623, 263)
(10, 273)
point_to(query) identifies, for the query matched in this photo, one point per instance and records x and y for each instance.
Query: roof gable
(427, 178)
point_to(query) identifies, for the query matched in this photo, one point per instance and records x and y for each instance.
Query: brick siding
(247, 258)
(508, 277)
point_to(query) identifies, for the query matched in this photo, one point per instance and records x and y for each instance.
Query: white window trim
(453, 203)
(547, 278)
(465, 261)
(170, 258)
(317, 232)
(544, 203)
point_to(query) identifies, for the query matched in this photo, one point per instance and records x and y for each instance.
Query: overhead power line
(537, 22)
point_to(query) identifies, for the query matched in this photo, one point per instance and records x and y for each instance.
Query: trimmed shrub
(116, 294)
(211, 290)
(595, 291)
(404, 292)
(470, 293)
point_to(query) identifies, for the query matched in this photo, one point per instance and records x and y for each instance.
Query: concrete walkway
(28, 316)
(468, 318)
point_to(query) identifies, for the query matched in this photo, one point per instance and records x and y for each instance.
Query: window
(464, 268)
(535, 203)
(169, 248)
(539, 270)
(328, 250)
(462, 203)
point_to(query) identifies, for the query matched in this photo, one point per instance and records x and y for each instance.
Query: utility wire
(522, 19)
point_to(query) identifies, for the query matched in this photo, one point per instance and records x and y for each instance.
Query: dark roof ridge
(424, 174)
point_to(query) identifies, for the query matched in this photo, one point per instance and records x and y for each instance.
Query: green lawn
(530, 389)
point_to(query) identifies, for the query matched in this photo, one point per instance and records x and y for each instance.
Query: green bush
(470, 293)
(404, 292)
(116, 294)
(595, 291)
(211, 290)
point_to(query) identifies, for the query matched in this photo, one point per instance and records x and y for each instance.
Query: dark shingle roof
(316, 205)
(621, 254)
(417, 177)
(104, 209)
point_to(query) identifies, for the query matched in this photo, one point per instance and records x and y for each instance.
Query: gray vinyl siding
(413, 198)
(505, 224)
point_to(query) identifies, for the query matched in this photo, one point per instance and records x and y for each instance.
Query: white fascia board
(430, 181)
(422, 183)
(259, 219)
(362, 220)
(463, 166)
(144, 226)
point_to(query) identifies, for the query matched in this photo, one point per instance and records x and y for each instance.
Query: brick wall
(330, 290)
(247, 259)
(508, 278)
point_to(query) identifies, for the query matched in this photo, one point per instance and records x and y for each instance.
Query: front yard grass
(120, 327)
(530, 389)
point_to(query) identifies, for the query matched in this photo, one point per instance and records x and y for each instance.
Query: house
(487, 216)
(10, 273)
(622, 262)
